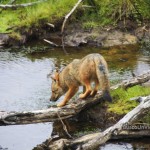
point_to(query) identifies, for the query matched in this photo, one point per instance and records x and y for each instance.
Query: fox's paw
(60, 105)
(81, 96)
(93, 93)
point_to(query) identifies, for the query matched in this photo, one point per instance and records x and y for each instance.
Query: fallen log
(70, 110)
(94, 140)
(132, 134)
(125, 134)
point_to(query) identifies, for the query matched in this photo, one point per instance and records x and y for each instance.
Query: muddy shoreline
(75, 35)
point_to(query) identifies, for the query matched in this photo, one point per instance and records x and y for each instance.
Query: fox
(81, 72)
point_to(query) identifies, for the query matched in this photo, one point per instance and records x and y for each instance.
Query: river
(24, 85)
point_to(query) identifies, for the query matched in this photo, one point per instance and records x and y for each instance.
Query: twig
(51, 43)
(64, 126)
(21, 5)
(88, 6)
(11, 2)
(51, 25)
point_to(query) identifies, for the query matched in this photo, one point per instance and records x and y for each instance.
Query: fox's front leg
(70, 93)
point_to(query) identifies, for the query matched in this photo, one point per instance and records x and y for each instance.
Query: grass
(104, 12)
(36, 15)
(122, 99)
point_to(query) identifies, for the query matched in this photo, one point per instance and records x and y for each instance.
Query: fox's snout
(53, 98)
(107, 96)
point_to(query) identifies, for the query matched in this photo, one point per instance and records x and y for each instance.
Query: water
(24, 85)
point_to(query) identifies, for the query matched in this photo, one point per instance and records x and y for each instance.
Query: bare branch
(20, 5)
(65, 20)
(69, 14)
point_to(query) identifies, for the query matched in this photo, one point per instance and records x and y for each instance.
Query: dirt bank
(75, 36)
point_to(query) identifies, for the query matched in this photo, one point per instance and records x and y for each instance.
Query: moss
(15, 35)
(122, 103)
(90, 25)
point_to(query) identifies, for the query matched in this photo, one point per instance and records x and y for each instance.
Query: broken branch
(51, 43)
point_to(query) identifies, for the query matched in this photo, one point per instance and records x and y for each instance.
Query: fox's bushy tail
(102, 75)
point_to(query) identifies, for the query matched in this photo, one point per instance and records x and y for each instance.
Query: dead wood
(51, 43)
(65, 20)
(69, 14)
(14, 6)
(70, 110)
(93, 141)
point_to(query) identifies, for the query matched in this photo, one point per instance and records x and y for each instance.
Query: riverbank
(76, 35)
(94, 23)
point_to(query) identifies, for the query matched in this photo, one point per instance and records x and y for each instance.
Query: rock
(7, 40)
(143, 33)
(100, 38)
(4, 39)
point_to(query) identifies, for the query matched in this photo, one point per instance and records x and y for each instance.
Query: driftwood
(13, 6)
(124, 134)
(72, 109)
(51, 43)
(94, 140)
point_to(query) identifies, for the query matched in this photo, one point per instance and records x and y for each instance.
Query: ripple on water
(23, 83)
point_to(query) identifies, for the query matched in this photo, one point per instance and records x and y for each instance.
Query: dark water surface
(24, 86)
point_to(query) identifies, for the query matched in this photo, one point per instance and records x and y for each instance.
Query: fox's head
(57, 91)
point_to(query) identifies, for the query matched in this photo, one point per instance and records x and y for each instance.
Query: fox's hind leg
(94, 91)
(87, 91)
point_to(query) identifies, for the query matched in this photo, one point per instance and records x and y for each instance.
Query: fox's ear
(56, 76)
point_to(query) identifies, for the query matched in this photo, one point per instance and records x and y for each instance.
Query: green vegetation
(102, 12)
(122, 99)
(111, 11)
(50, 11)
